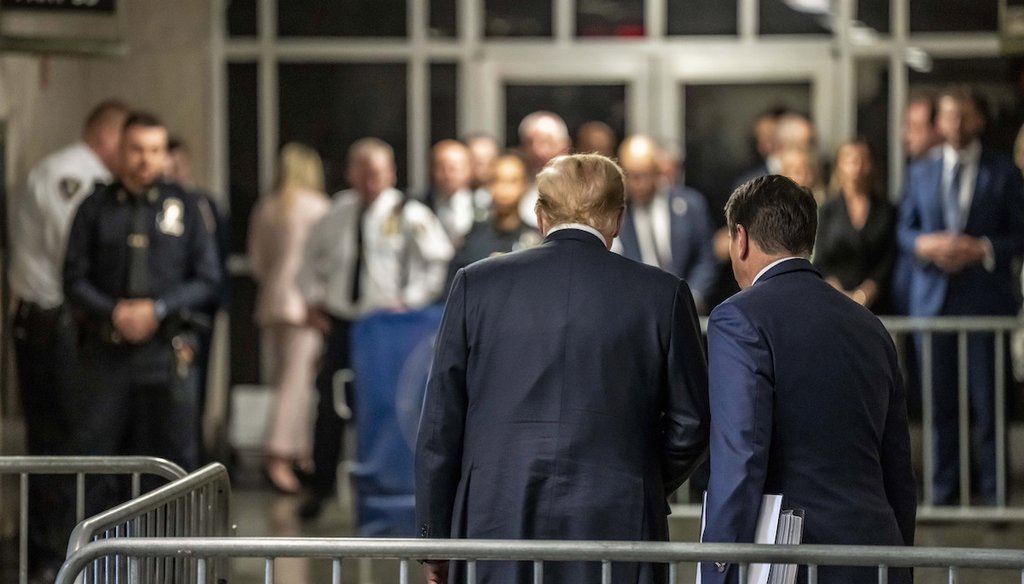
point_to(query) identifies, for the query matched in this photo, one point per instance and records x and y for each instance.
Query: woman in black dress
(856, 242)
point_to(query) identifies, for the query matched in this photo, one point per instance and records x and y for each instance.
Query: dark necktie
(138, 250)
(357, 271)
(951, 200)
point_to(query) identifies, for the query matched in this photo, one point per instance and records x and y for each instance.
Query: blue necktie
(951, 200)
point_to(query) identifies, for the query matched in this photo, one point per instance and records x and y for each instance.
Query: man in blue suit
(665, 226)
(962, 219)
(568, 393)
(806, 396)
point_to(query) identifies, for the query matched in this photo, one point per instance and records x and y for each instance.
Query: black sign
(81, 6)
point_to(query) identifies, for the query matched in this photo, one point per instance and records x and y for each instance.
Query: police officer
(376, 249)
(43, 338)
(140, 266)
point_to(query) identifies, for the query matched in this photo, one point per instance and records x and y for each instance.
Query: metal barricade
(405, 551)
(25, 466)
(1001, 327)
(196, 505)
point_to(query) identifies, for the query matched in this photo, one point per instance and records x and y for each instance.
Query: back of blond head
(581, 188)
(299, 168)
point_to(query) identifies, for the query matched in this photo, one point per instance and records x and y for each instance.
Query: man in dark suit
(665, 226)
(962, 219)
(568, 396)
(806, 396)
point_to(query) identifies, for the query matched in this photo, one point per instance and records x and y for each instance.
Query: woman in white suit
(278, 229)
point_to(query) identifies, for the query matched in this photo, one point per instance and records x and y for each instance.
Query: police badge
(69, 187)
(170, 221)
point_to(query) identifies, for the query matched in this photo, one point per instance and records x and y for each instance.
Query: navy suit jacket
(807, 402)
(691, 236)
(567, 399)
(997, 212)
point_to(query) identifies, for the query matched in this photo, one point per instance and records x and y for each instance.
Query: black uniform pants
(329, 429)
(137, 402)
(44, 347)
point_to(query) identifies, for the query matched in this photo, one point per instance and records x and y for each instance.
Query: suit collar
(785, 267)
(571, 233)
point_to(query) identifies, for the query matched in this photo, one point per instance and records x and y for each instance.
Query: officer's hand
(436, 572)
(318, 319)
(146, 322)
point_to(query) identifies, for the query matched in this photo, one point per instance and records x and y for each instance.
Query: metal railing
(25, 466)
(1001, 327)
(196, 505)
(406, 551)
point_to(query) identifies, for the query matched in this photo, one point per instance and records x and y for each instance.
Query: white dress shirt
(765, 269)
(457, 213)
(581, 227)
(405, 256)
(41, 219)
(652, 225)
(969, 158)
(527, 207)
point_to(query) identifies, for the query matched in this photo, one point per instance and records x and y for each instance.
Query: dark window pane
(242, 18)
(443, 102)
(245, 335)
(720, 143)
(243, 157)
(243, 186)
(357, 18)
(873, 115)
(779, 17)
(695, 17)
(602, 18)
(577, 104)
(997, 80)
(874, 14)
(954, 15)
(517, 18)
(329, 106)
(442, 19)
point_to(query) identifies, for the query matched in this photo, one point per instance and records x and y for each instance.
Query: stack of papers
(775, 525)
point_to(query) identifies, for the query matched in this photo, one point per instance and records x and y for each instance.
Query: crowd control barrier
(407, 551)
(196, 505)
(27, 466)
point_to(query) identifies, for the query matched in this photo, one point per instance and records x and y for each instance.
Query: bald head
(543, 135)
(640, 157)
(452, 168)
(102, 131)
(794, 130)
(596, 138)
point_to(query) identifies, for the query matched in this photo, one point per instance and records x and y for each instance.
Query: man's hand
(436, 572)
(949, 252)
(317, 318)
(135, 320)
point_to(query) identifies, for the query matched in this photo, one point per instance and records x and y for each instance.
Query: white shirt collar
(772, 265)
(969, 155)
(579, 226)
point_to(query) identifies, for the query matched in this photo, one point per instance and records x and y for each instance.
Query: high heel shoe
(281, 476)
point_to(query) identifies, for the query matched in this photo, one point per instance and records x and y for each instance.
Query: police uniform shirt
(42, 218)
(457, 214)
(405, 250)
(484, 241)
(182, 259)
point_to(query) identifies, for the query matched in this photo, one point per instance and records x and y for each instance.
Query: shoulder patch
(69, 187)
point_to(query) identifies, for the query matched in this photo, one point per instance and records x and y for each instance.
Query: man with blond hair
(568, 393)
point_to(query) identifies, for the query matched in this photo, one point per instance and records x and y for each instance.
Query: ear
(742, 242)
(541, 226)
(618, 222)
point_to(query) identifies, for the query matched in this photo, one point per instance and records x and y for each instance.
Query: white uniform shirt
(457, 213)
(41, 220)
(405, 256)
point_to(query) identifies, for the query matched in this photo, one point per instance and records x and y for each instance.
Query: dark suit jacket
(691, 236)
(997, 212)
(567, 399)
(807, 401)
